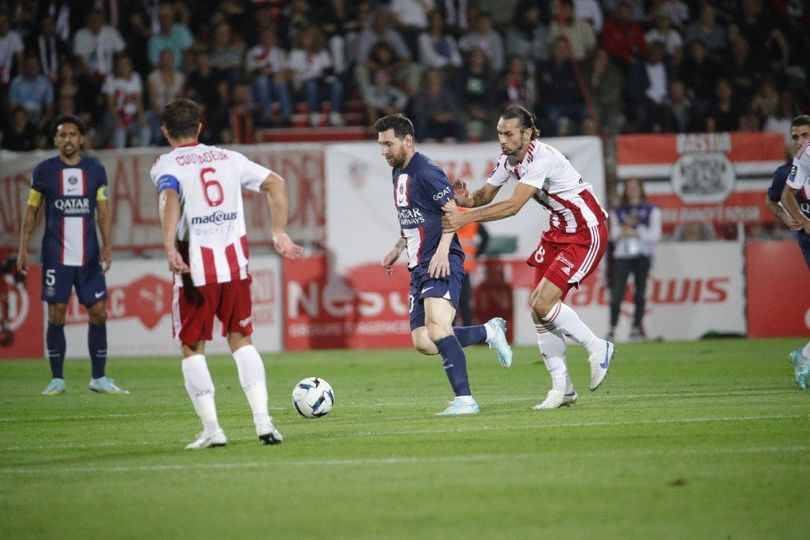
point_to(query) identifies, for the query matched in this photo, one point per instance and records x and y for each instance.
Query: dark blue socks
(470, 335)
(56, 345)
(97, 345)
(455, 364)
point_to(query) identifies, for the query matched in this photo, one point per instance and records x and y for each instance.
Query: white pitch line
(466, 429)
(286, 463)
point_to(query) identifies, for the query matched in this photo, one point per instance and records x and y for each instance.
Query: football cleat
(458, 407)
(54, 388)
(105, 385)
(801, 368)
(556, 399)
(499, 342)
(267, 433)
(208, 440)
(600, 363)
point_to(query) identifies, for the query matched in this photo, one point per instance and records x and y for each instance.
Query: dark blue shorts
(804, 243)
(423, 286)
(58, 281)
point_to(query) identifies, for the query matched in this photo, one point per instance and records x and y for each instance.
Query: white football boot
(208, 440)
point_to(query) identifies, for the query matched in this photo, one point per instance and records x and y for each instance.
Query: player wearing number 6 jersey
(202, 218)
(568, 252)
(71, 189)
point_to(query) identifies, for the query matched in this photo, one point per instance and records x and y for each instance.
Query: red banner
(778, 295)
(26, 317)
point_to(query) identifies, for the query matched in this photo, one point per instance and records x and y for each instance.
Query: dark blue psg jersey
(420, 191)
(69, 194)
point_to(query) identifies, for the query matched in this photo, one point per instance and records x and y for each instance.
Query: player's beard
(397, 160)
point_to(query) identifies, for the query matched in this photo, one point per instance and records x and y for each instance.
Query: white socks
(552, 347)
(200, 389)
(563, 318)
(252, 377)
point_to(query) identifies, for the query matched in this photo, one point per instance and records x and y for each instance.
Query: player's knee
(99, 317)
(542, 306)
(436, 332)
(422, 344)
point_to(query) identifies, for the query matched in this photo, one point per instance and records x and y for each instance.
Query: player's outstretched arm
(275, 189)
(105, 228)
(392, 256)
(454, 219)
(479, 197)
(792, 209)
(169, 211)
(28, 223)
(776, 209)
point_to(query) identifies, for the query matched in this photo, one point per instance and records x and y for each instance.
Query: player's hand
(453, 219)
(286, 247)
(460, 193)
(791, 223)
(439, 266)
(22, 262)
(105, 259)
(176, 262)
(390, 258)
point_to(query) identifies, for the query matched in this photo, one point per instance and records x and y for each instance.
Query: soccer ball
(313, 397)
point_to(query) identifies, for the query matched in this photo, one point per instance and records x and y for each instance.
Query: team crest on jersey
(72, 180)
(703, 177)
(402, 190)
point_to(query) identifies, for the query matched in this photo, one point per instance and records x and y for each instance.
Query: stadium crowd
(583, 66)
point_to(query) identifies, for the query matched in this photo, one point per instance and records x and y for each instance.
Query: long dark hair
(623, 200)
(526, 120)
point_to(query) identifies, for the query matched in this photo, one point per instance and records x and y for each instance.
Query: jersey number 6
(209, 185)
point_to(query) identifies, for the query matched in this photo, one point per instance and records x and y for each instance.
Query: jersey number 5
(215, 198)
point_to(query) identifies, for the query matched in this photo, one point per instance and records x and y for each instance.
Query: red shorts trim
(194, 309)
(566, 259)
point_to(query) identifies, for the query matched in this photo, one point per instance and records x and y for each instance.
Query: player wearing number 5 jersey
(71, 190)
(569, 251)
(202, 218)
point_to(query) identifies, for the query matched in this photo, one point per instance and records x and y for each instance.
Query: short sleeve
(437, 186)
(778, 184)
(499, 176)
(251, 174)
(37, 181)
(162, 178)
(536, 173)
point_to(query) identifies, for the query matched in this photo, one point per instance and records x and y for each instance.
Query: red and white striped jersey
(209, 181)
(570, 201)
(799, 175)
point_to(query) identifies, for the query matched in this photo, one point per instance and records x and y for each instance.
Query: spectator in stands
(19, 135)
(724, 113)
(240, 116)
(80, 90)
(312, 75)
(403, 72)
(411, 18)
(383, 98)
(741, 70)
(406, 73)
(48, 48)
(590, 12)
(341, 22)
(204, 83)
(124, 91)
(437, 47)
(675, 10)
(578, 33)
(227, 54)
(604, 83)
(623, 37)
(486, 38)
(96, 44)
(699, 73)
(32, 91)
(478, 96)
(663, 33)
(518, 86)
(648, 88)
(437, 113)
(679, 115)
(164, 84)
(266, 67)
(558, 90)
(527, 37)
(11, 50)
(706, 29)
(172, 35)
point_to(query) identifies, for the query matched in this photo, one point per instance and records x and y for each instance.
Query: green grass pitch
(684, 440)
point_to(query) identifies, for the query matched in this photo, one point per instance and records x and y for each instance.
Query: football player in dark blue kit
(435, 260)
(72, 190)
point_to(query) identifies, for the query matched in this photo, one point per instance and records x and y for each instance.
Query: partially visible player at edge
(795, 199)
(569, 251)
(204, 236)
(435, 261)
(72, 189)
